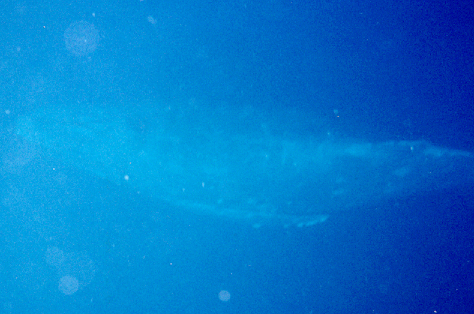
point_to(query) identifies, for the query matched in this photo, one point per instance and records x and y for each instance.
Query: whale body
(243, 175)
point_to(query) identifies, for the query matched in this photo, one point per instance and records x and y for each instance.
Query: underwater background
(74, 242)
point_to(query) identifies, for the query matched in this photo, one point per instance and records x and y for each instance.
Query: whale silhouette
(242, 174)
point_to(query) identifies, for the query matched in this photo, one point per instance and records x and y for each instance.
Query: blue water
(373, 71)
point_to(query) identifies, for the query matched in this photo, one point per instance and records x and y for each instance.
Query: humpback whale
(242, 174)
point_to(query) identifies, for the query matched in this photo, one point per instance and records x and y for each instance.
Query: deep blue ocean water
(73, 242)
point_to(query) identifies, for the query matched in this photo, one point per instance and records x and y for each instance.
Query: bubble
(68, 285)
(81, 38)
(224, 295)
(18, 155)
(54, 256)
(78, 265)
(75, 269)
